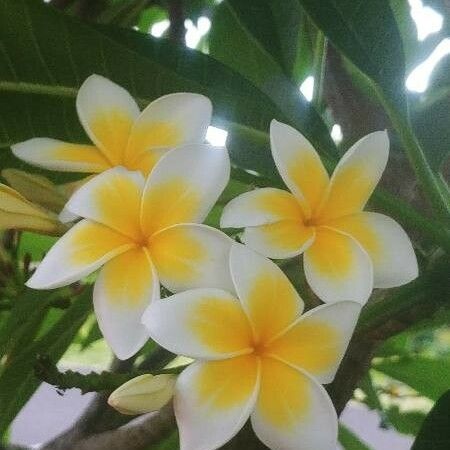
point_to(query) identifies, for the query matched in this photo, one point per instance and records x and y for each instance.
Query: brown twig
(136, 436)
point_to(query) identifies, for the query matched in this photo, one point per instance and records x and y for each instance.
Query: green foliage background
(250, 65)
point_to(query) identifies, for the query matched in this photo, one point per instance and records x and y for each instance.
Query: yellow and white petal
(388, 245)
(279, 240)
(337, 267)
(112, 198)
(317, 342)
(188, 256)
(62, 156)
(299, 165)
(184, 186)
(81, 251)
(293, 411)
(125, 287)
(200, 323)
(213, 400)
(107, 112)
(355, 177)
(260, 207)
(266, 294)
(146, 160)
(168, 122)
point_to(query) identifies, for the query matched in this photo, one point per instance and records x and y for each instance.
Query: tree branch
(136, 436)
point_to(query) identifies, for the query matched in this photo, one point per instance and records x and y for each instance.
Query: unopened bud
(143, 394)
(16, 212)
(36, 188)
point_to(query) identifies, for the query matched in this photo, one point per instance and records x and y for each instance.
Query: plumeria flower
(257, 356)
(121, 134)
(143, 233)
(347, 251)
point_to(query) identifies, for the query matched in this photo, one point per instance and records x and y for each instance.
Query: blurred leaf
(372, 400)
(27, 312)
(435, 431)
(150, 16)
(406, 422)
(36, 245)
(93, 334)
(54, 343)
(274, 25)
(305, 53)
(349, 440)
(397, 345)
(239, 42)
(428, 376)
(170, 443)
(431, 116)
(367, 34)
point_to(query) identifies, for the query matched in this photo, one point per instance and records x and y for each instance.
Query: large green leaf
(431, 116)
(428, 376)
(20, 373)
(366, 33)
(405, 422)
(349, 440)
(45, 56)
(238, 40)
(435, 432)
(274, 25)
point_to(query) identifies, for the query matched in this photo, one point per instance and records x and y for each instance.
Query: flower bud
(36, 188)
(18, 213)
(143, 394)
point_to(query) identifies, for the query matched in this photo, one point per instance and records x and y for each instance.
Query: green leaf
(20, 373)
(405, 422)
(349, 440)
(274, 25)
(428, 376)
(432, 116)
(27, 313)
(237, 41)
(150, 16)
(372, 400)
(435, 432)
(367, 34)
(36, 245)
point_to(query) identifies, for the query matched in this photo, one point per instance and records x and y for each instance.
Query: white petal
(317, 341)
(107, 112)
(198, 324)
(260, 207)
(81, 251)
(213, 401)
(299, 165)
(170, 121)
(125, 287)
(188, 256)
(184, 186)
(337, 267)
(112, 198)
(293, 411)
(62, 156)
(279, 240)
(356, 176)
(266, 294)
(388, 245)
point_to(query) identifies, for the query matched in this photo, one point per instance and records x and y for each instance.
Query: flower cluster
(139, 220)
